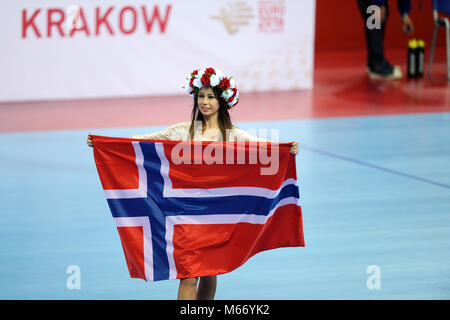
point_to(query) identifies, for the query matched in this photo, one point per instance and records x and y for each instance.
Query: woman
(214, 94)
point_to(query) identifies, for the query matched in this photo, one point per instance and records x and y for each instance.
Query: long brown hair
(223, 116)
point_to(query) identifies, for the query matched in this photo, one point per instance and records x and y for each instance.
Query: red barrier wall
(339, 25)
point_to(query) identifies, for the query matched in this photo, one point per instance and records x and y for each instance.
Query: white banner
(85, 49)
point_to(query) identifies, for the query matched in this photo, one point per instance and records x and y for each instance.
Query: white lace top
(180, 132)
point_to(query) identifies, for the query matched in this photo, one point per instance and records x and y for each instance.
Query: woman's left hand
(294, 147)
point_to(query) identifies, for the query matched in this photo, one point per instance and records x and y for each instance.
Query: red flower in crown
(210, 71)
(205, 80)
(224, 83)
(233, 96)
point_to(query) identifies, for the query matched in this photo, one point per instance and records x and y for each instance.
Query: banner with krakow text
(86, 49)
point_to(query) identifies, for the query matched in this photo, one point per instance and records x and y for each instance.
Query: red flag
(188, 209)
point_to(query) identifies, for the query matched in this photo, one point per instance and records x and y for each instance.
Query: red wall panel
(339, 25)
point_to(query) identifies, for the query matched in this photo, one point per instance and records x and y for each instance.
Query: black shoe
(384, 71)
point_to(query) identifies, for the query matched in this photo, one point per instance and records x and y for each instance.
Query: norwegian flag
(188, 209)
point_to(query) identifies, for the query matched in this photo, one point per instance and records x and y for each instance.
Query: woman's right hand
(89, 140)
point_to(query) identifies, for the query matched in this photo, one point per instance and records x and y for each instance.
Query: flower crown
(215, 79)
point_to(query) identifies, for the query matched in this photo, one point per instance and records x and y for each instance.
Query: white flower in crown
(234, 98)
(197, 82)
(214, 80)
(232, 83)
(187, 87)
(227, 94)
(220, 75)
(200, 73)
(234, 102)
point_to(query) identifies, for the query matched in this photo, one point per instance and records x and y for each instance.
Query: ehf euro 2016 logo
(236, 15)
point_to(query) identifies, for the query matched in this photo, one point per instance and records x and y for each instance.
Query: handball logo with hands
(235, 15)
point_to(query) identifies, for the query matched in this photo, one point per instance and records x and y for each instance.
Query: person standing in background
(378, 66)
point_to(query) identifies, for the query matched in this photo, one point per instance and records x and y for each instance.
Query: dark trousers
(374, 37)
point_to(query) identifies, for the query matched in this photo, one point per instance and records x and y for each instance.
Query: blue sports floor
(375, 191)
